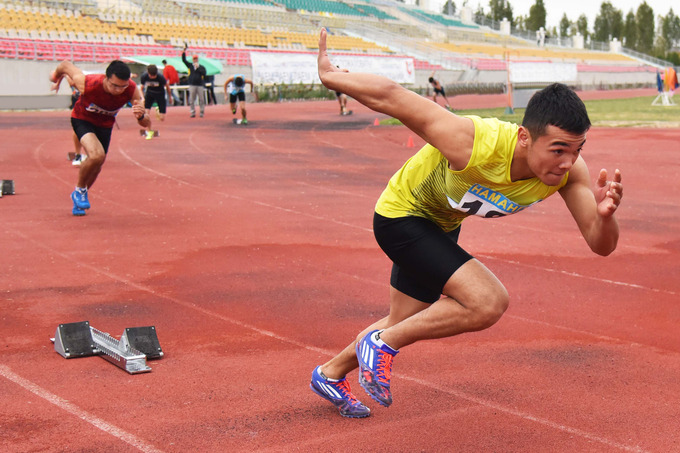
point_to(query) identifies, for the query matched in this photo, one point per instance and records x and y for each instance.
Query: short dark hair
(152, 69)
(164, 62)
(239, 82)
(556, 105)
(431, 79)
(119, 69)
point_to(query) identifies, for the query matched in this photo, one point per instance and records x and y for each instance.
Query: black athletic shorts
(82, 127)
(158, 98)
(424, 257)
(241, 96)
(439, 91)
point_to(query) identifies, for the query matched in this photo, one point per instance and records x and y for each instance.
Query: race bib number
(484, 202)
(94, 108)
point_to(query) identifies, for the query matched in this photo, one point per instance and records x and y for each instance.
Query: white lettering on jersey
(484, 202)
(94, 108)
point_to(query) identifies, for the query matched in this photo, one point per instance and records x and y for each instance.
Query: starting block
(80, 339)
(143, 339)
(7, 187)
(142, 132)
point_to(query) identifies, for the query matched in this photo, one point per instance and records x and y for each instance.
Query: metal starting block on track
(7, 187)
(79, 339)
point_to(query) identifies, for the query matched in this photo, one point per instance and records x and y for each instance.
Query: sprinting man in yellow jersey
(470, 166)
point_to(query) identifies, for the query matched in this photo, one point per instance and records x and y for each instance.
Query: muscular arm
(226, 86)
(138, 109)
(68, 69)
(452, 135)
(593, 209)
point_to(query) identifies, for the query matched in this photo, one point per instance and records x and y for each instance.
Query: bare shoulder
(454, 137)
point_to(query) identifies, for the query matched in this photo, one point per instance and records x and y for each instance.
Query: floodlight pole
(508, 110)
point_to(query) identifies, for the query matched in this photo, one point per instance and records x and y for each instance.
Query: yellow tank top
(426, 187)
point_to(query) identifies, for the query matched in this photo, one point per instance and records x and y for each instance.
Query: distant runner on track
(439, 90)
(469, 166)
(234, 93)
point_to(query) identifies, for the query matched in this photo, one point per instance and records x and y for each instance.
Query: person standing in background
(210, 89)
(197, 75)
(172, 77)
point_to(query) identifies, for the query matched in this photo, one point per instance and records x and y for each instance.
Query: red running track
(250, 249)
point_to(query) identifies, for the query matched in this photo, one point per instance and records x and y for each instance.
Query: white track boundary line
(72, 409)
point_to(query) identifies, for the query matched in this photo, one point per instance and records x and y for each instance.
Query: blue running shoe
(375, 367)
(77, 211)
(80, 199)
(338, 393)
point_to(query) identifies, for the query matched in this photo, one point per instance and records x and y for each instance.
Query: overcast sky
(574, 8)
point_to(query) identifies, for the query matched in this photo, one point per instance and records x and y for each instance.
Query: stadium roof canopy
(212, 66)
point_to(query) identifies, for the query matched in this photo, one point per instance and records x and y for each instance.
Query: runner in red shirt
(93, 115)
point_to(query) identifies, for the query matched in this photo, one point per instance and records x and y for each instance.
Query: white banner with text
(289, 68)
(542, 72)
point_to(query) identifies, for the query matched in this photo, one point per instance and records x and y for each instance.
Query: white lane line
(594, 335)
(524, 415)
(40, 163)
(577, 275)
(236, 197)
(71, 408)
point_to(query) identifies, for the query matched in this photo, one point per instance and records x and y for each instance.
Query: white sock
(379, 342)
(376, 338)
(327, 378)
(81, 189)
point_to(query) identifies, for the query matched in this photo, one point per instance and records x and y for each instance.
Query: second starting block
(80, 339)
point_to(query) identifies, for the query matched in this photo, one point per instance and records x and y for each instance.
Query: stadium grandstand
(36, 34)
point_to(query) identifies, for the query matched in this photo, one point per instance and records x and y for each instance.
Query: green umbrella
(212, 66)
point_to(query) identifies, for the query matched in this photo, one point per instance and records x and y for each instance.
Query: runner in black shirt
(154, 86)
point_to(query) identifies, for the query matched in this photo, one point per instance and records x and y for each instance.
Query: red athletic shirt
(96, 105)
(170, 74)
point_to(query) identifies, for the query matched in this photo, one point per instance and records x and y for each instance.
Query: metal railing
(589, 44)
